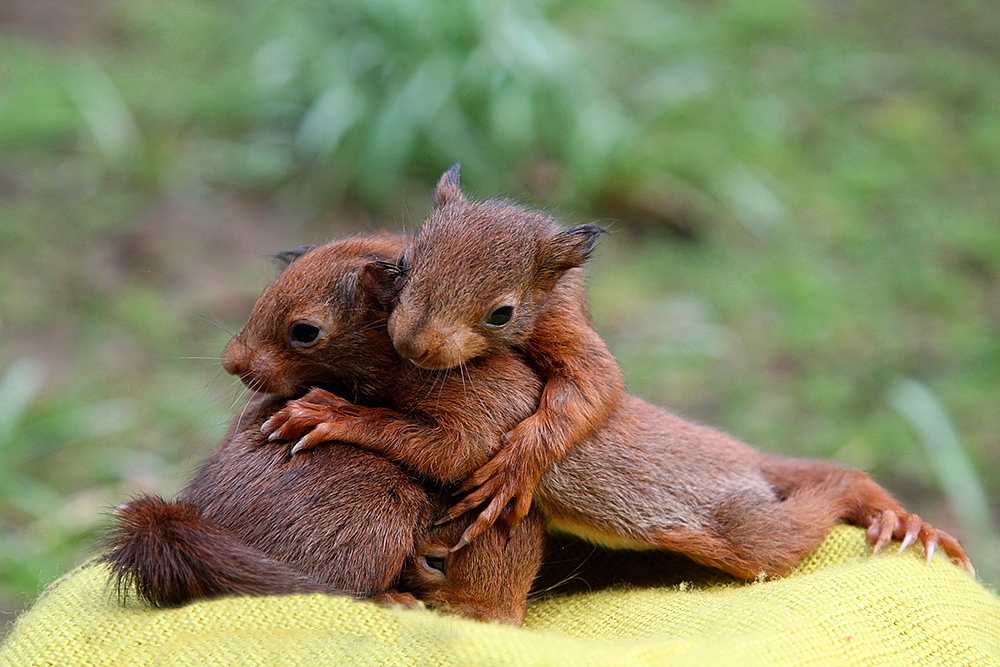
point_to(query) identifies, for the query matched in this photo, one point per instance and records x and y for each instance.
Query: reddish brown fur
(339, 519)
(453, 278)
(646, 478)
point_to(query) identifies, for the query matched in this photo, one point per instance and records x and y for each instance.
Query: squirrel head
(477, 276)
(319, 324)
(488, 579)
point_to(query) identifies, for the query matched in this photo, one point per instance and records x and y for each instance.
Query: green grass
(803, 196)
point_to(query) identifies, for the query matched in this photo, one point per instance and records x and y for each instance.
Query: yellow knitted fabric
(839, 608)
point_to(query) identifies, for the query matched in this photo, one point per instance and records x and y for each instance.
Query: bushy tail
(169, 554)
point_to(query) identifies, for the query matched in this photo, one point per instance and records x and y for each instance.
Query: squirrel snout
(409, 348)
(236, 357)
(234, 366)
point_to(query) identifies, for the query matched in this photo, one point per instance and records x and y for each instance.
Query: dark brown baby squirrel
(645, 478)
(256, 520)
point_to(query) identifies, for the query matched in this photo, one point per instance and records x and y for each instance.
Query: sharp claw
(887, 524)
(274, 436)
(907, 542)
(300, 446)
(883, 539)
(443, 520)
(913, 526)
(267, 426)
(930, 549)
(461, 543)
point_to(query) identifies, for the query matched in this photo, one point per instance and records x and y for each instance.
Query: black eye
(304, 333)
(500, 316)
(436, 563)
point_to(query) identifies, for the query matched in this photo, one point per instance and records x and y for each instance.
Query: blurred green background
(804, 196)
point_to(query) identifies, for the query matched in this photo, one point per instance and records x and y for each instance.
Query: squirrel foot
(909, 529)
(504, 483)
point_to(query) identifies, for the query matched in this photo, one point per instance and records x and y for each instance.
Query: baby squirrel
(256, 520)
(645, 478)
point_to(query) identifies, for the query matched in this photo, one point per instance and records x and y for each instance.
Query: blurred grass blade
(330, 117)
(18, 388)
(955, 472)
(104, 112)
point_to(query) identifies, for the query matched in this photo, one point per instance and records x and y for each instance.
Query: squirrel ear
(449, 188)
(567, 250)
(288, 256)
(377, 284)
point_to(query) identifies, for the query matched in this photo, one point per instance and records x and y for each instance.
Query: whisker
(574, 575)
(239, 397)
(479, 399)
(216, 322)
(377, 324)
(461, 375)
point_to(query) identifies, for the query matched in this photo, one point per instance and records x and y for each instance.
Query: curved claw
(485, 519)
(518, 511)
(286, 424)
(930, 547)
(301, 446)
(320, 434)
(270, 425)
(888, 523)
(913, 525)
(910, 529)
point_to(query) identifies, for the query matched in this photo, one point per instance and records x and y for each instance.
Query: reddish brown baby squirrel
(256, 520)
(645, 478)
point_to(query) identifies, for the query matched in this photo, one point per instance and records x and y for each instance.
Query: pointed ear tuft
(567, 250)
(288, 256)
(582, 238)
(449, 187)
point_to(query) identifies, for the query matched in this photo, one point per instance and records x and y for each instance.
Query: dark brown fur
(339, 519)
(646, 479)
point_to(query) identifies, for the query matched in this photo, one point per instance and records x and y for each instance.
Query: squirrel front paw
(310, 420)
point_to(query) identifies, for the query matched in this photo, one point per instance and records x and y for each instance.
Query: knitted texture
(840, 607)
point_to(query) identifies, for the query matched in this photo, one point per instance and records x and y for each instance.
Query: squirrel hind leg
(745, 540)
(852, 496)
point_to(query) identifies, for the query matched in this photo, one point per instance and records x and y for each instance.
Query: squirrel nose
(234, 358)
(408, 348)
